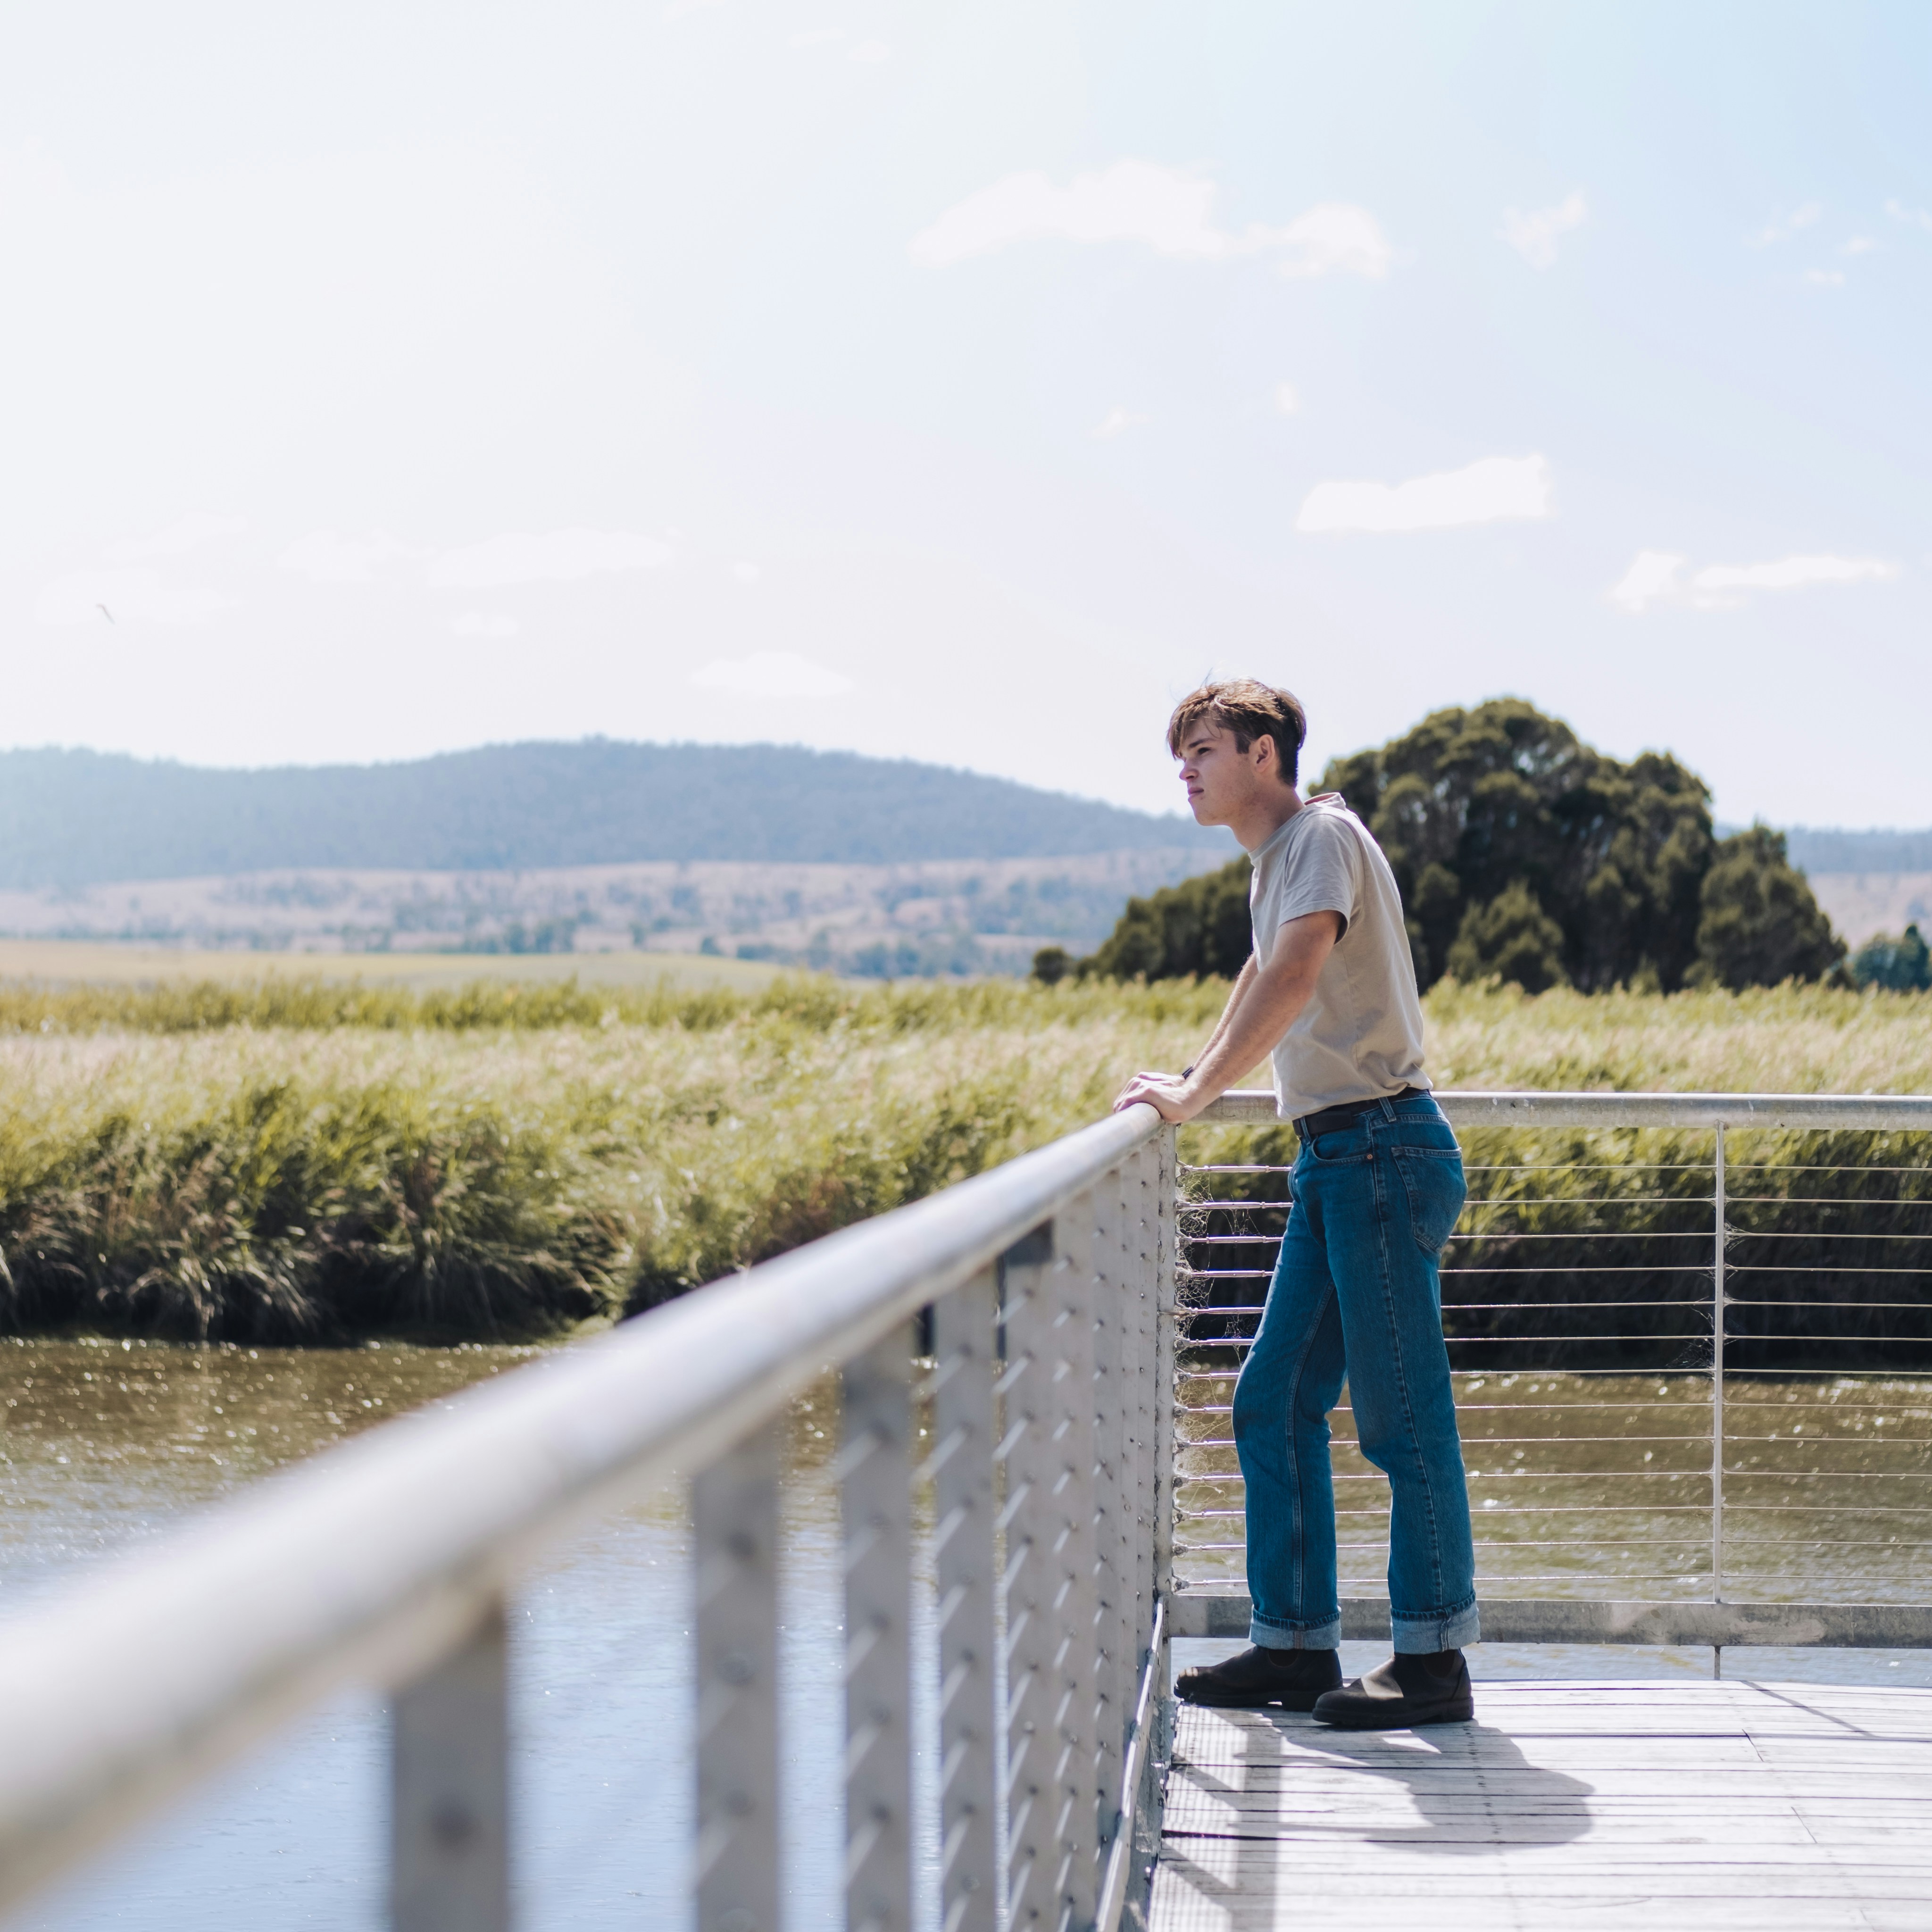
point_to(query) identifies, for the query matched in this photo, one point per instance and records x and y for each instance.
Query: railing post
(1143, 1262)
(1718, 1393)
(1113, 1502)
(449, 1821)
(1027, 1582)
(1166, 1188)
(1053, 1793)
(1136, 1831)
(734, 1515)
(876, 1495)
(1078, 1659)
(965, 1560)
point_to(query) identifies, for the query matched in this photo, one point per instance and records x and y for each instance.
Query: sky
(963, 382)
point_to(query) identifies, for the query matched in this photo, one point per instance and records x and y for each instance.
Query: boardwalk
(1655, 1803)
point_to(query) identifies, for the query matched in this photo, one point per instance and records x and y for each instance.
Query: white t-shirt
(1359, 1036)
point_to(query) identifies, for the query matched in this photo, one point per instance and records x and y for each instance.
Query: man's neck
(1269, 812)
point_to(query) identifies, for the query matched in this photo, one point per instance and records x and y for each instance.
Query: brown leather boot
(1261, 1679)
(1406, 1691)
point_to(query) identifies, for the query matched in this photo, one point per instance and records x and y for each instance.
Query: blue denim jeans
(1356, 1294)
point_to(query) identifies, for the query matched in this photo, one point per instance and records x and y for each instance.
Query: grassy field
(283, 1161)
(70, 962)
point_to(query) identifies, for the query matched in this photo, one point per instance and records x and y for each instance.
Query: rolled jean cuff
(1295, 1637)
(1445, 1630)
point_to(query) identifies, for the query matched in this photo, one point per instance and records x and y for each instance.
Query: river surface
(106, 1445)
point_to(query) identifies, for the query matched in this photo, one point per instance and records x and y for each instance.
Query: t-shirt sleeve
(1325, 876)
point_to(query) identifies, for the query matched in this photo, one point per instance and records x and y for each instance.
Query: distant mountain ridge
(74, 818)
(1813, 850)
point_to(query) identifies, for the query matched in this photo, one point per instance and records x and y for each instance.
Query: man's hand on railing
(1172, 1096)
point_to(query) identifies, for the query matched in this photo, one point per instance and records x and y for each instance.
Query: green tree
(1200, 926)
(1522, 852)
(1759, 924)
(1474, 802)
(1052, 964)
(1512, 938)
(1902, 965)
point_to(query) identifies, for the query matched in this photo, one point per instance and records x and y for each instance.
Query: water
(1599, 1486)
(106, 1444)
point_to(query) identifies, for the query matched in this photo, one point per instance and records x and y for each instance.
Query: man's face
(1222, 778)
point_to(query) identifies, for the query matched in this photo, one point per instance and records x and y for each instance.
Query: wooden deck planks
(1656, 1804)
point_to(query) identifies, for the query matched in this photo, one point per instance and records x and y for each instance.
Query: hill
(1813, 850)
(75, 818)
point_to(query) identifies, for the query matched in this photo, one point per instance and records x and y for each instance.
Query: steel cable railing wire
(1577, 1308)
(1805, 1281)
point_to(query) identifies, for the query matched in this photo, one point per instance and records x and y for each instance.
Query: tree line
(1526, 855)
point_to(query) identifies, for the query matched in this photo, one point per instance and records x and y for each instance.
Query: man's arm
(1267, 1001)
(1243, 980)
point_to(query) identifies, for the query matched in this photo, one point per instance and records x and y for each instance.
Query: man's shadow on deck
(1459, 1817)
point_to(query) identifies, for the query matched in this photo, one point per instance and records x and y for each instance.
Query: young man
(1330, 991)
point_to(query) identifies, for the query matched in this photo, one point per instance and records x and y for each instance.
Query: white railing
(1061, 1327)
(389, 1561)
(1647, 1469)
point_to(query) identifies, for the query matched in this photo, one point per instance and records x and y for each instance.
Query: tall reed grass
(297, 1162)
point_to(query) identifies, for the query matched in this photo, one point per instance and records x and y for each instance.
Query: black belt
(1332, 1120)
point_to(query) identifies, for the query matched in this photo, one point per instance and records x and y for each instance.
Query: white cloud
(1533, 235)
(1496, 488)
(770, 674)
(1335, 238)
(127, 596)
(1653, 576)
(1161, 209)
(746, 572)
(1826, 278)
(870, 53)
(1803, 216)
(324, 557)
(485, 624)
(1915, 217)
(1657, 577)
(1859, 244)
(1287, 398)
(816, 37)
(199, 528)
(556, 557)
(1117, 420)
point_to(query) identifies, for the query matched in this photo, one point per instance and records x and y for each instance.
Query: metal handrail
(1473, 1109)
(381, 1556)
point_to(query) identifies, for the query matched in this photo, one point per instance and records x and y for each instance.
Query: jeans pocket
(1343, 1148)
(1433, 1180)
